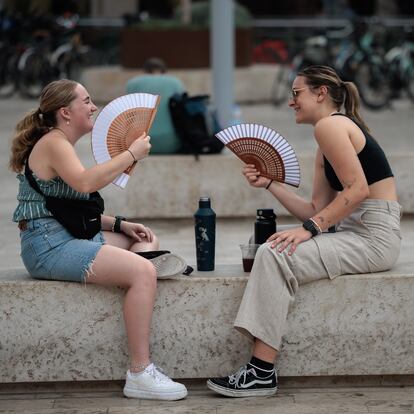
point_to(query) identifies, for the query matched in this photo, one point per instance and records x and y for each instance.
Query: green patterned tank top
(32, 205)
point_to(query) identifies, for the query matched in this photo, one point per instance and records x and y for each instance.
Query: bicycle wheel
(8, 76)
(373, 84)
(281, 86)
(409, 81)
(35, 72)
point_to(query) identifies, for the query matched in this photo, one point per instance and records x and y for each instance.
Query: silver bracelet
(317, 226)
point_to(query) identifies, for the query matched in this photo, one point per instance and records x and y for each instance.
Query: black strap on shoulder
(29, 175)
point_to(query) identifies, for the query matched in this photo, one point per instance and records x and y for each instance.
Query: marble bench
(353, 325)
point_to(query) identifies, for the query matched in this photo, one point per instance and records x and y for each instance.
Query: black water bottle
(205, 234)
(265, 225)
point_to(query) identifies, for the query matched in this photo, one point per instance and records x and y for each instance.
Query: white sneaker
(152, 384)
(168, 265)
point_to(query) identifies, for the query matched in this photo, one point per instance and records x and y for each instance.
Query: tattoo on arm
(349, 184)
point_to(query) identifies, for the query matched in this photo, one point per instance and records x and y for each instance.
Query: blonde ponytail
(39, 122)
(28, 131)
(352, 103)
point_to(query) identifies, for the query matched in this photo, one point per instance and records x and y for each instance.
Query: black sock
(262, 367)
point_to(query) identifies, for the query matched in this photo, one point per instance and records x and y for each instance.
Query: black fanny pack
(81, 218)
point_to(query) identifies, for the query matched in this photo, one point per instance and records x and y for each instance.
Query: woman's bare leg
(264, 351)
(117, 267)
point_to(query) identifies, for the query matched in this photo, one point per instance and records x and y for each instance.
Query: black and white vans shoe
(246, 382)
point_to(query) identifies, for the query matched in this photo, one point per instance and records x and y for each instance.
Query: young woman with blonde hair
(44, 141)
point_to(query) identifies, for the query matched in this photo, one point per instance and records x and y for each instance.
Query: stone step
(58, 331)
(169, 186)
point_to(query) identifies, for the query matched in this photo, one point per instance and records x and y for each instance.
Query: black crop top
(372, 158)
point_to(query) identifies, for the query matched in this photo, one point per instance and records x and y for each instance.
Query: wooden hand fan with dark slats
(269, 151)
(118, 124)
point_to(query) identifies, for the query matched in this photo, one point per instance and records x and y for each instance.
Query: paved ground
(289, 400)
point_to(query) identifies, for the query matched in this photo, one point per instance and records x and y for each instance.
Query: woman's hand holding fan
(140, 147)
(253, 176)
(266, 150)
(120, 126)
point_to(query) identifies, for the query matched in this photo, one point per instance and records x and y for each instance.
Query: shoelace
(157, 374)
(234, 379)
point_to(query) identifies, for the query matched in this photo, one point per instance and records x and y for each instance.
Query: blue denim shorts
(50, 252)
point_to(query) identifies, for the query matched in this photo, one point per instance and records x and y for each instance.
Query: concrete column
(222, 57)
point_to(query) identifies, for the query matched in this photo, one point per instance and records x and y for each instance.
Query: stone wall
(57, 331)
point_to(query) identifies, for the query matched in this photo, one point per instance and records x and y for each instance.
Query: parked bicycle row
(32, 56)
(360, 55)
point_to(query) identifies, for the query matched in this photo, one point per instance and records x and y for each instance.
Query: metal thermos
(265, 225)
(205, 234)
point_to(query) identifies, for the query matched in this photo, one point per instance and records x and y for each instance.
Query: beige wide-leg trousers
(367, 241)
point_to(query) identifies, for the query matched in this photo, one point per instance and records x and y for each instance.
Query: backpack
(195, 123)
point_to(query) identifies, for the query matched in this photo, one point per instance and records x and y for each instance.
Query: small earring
(67, 122)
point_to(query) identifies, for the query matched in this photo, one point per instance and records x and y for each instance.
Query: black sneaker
(246, 383)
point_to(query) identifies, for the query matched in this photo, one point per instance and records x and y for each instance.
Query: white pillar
(222, 57)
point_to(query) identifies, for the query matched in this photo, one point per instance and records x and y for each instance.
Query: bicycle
(8, 69)
(275, 51)
(362, 61)
(353, 53)
(11, 48)
(53, 54)
(319, 49)
(400, 63)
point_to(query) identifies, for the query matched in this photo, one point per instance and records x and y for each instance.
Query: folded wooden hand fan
(119, 123)
(266, 149)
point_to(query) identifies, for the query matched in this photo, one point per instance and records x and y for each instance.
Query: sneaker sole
(169, 265)
(242, 393)
(149, 395)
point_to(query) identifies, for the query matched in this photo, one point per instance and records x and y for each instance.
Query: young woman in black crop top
(354, 190)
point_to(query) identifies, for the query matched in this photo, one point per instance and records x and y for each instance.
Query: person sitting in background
(164, 139)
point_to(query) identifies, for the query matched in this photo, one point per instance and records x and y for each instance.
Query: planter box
(179, 48)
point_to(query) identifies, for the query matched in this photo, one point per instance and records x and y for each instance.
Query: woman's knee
(147, 277)
(272, 257)
(264, 251)
(144, 245)
(117, 267)
(156, 242)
